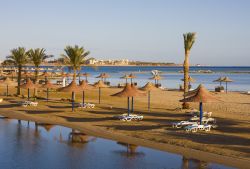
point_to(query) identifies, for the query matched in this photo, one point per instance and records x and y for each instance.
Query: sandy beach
(231, 139)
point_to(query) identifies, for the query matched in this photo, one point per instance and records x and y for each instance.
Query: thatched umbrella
(45, 75)
(12, 74)
(48, 85)
(86, 75)
(201, 95)
(103, 76)
(8, 83)
(126, 77)
(72, 87)
(28, 85)
(131, 77)
(190, 80)
(100, 84)
(27, 74)
(129, 91)
(156, 78)
(227, 80)
(84, 86)
(149, 87)
(220, 79)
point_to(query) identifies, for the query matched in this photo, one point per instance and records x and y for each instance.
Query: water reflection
(29, 145)
(189, 163)
(130, 150)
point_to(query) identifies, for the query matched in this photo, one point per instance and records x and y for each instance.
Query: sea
(171, 75)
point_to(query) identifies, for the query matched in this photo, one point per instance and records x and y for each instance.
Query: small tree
(18, 57)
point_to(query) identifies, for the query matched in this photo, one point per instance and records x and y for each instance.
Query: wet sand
(228, 144)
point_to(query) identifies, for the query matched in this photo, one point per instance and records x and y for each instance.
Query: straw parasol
(45, 75)
(84, 86)
(227, 80)
(8, 83)
(190, 80)
(126, 77)
(156, 78)
(220, 79)
(149, 87)
(48, 85)
(202, 95)
(100, 84)
(103, 76)
(131, 77)
(129, 91)
(86, 75)
(28, 85)
(72, 87)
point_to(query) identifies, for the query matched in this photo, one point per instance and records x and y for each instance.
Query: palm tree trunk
(186, 75)
(19, 79)
(36, 74)
(74, 76)
(36, 78)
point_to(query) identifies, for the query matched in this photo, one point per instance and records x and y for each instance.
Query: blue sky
(149, 30)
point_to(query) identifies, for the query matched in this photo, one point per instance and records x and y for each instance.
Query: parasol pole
(128, 107)
(47, 94)
(83, 96)
(99, 95)
(149, 100)
(132, 105)
(201, 113)
(73, 100)
(7, 92)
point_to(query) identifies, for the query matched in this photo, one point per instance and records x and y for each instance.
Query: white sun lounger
(86, 105)
(196, 127)
(125, 117)
(29, 103)
(183, 124)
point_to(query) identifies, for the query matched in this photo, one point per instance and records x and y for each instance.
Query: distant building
(91, 61)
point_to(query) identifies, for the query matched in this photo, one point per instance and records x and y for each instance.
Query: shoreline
(115, 136)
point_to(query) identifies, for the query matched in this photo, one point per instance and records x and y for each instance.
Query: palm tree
(18, 57)
(189, 39)
(37, 56)
(75, 57)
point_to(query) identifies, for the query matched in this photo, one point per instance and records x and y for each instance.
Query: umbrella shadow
(10, 105)
(132, 127)
(210, 138)
(81, 119)
(42, 111)
(59, 107)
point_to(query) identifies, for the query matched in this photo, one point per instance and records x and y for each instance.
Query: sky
(143, 30)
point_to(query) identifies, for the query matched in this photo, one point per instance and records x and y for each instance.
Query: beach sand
(228, 144)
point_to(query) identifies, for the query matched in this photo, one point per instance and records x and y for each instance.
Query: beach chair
(182, 124)
(191, 128)
(33, 104)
